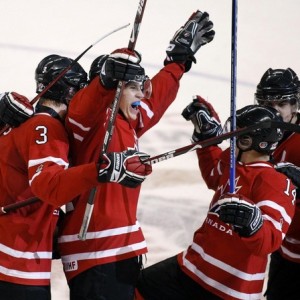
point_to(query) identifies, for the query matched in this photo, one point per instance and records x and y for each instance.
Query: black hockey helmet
(96, 66)
(278, 85)
(64, 89)
(263, 140)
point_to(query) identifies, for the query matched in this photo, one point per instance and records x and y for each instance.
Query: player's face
(130, 100)
(286, 110)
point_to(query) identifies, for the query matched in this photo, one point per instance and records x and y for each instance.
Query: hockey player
(280, 88)
(106, 265)
(34, 162)
(228, 256)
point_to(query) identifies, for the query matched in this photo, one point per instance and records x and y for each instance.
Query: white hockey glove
(205, 119)
(241, 212)
(126, 168)
(122, 64)
(14, 109)
(196, 32)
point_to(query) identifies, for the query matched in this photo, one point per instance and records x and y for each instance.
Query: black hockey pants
(13, 291)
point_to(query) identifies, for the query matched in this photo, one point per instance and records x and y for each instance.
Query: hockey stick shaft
(233, 95)
(64, 71)
(116, 102)
(111, 121)
(221, 138)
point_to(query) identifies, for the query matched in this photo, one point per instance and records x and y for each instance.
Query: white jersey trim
(59, 161)
(277, 207)
(25, 275)
(79, 125)
(217, 285)
(100, 234)
(276, 224)
(103, 254)
(262, 164)
(78, 137)
(149, 112)
(25, 255)
(231, 270)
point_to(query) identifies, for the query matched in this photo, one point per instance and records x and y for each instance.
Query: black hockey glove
(14, 109)
(126, 168)
(196, 32)
(241, 212)
(122, 64)
(205, 119)
(289, 170)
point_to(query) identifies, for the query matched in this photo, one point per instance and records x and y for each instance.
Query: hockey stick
(63, 72)
(159, 158)
(233, 95)
(111, 122)
(218, 139)
(180, 151)
(8, 208)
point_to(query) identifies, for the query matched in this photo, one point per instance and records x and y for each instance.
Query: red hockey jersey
(288, 151)
(33, 162)
(114, 232)
(226, 264)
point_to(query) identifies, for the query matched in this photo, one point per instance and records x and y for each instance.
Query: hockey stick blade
(111, 123)
(221, 138)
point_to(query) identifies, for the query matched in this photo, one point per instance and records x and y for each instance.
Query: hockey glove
(205, 119)
(289, 170)
(196, 32)
(122, 64)
(14, 109)
(126, 168)
(241, 212)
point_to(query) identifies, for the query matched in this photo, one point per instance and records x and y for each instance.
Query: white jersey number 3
(43, 135)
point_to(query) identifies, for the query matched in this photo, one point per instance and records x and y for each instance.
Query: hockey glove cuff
(196, 32)
(14, 109)
(242, 213)
(126, 168)
(204, 118)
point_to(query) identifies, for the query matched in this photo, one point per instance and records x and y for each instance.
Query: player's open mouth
(135, 104)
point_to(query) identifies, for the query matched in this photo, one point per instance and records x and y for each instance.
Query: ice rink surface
(174, 199)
